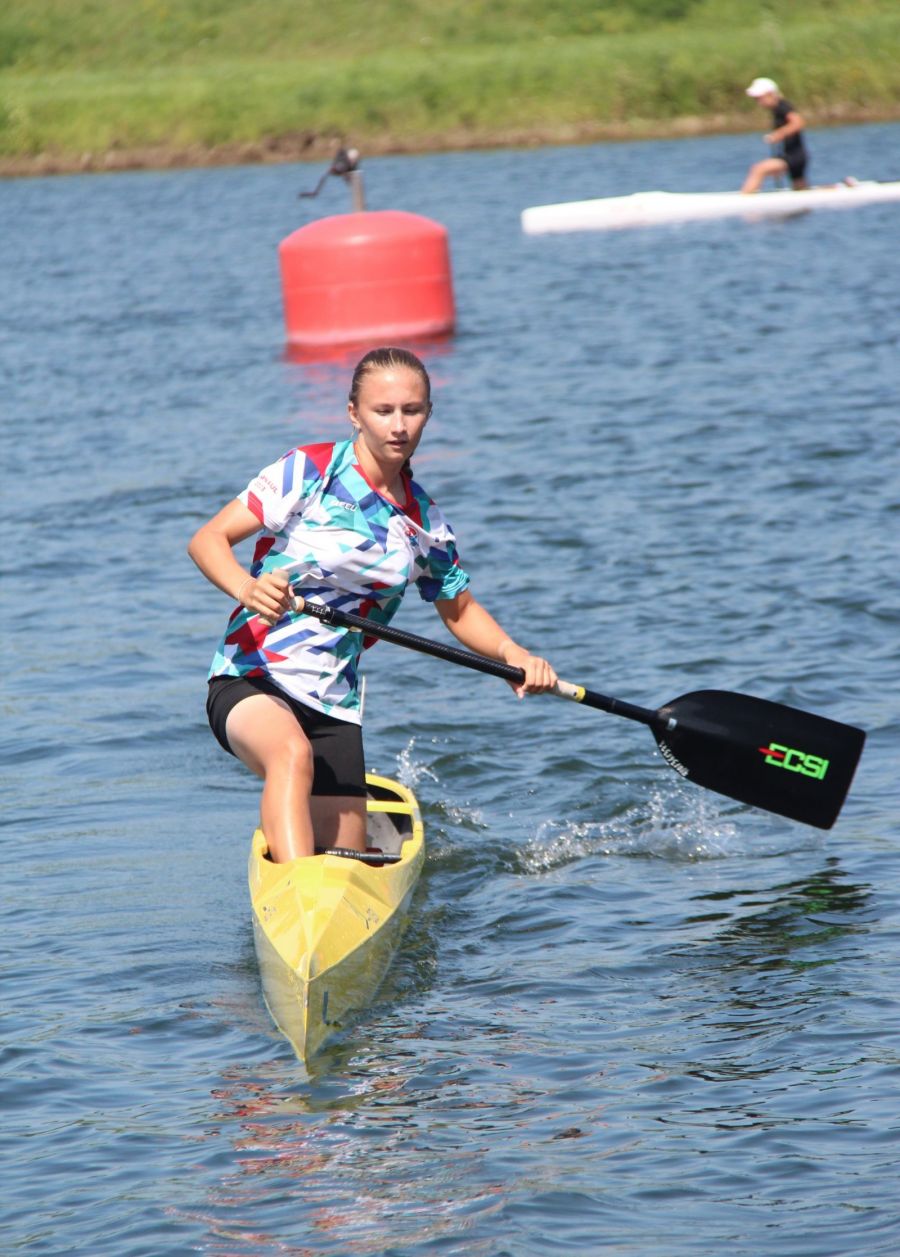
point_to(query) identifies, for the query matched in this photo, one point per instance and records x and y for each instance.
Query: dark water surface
(629, 1016)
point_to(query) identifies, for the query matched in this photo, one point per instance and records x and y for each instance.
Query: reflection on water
(767, 928)
(344, 1146)
(757, 979)
(317, 360)
(776, 973)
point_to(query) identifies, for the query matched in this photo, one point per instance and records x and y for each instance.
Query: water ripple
(625, 1008)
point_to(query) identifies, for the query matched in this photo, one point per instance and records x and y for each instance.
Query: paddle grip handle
(615, 706)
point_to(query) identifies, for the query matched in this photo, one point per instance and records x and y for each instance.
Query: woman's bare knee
(295, 756)
(263, 734)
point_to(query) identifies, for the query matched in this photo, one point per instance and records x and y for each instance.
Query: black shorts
(338, 761)
(796, 163)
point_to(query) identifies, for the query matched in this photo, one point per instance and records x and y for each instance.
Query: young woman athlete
(786, 136)
(344, 523)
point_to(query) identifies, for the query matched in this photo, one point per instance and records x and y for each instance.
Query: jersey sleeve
(283, 488)
(441, 574)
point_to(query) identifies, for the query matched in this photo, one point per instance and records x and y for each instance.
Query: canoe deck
(326, 927)
(655, 209)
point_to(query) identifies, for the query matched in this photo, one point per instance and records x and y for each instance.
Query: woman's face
(390, 414)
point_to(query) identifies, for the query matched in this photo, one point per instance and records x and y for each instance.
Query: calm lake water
(629, 1016)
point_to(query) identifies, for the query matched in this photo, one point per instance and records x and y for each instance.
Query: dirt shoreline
(306, 146)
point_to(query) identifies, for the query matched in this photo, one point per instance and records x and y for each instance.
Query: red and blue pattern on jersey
(344, 544)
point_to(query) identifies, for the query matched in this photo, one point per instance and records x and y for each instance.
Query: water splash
(671, 823)
(410, 771)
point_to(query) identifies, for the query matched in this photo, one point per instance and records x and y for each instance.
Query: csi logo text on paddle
(795, 761)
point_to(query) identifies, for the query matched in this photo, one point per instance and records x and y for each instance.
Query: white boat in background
(655, 209)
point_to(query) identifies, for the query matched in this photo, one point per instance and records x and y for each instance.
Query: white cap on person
(762, 87)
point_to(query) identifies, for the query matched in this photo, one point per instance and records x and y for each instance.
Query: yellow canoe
(326, 926)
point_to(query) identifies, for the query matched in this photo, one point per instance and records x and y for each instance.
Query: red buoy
(378, 275)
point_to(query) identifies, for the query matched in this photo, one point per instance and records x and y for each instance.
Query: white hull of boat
(655, 209)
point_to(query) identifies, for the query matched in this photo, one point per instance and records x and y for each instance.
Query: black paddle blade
(770, 756)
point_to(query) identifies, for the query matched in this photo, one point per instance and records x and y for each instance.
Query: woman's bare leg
(339, 821)
(264, 734)
(773, 166)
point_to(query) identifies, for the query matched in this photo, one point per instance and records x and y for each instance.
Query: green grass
(95, 75)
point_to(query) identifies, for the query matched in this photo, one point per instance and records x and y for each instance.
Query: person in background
(346, 524)
(786, 137)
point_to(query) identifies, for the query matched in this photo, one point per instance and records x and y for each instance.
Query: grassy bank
(98, 82)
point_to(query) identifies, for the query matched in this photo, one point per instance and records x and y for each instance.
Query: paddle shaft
(479, 663)
(766, 754)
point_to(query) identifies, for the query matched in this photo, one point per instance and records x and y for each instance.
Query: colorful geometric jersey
(342, 543)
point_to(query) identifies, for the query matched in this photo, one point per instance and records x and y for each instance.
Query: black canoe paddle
(770, 756)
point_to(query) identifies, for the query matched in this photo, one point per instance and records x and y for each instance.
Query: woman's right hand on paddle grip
(269, 596)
